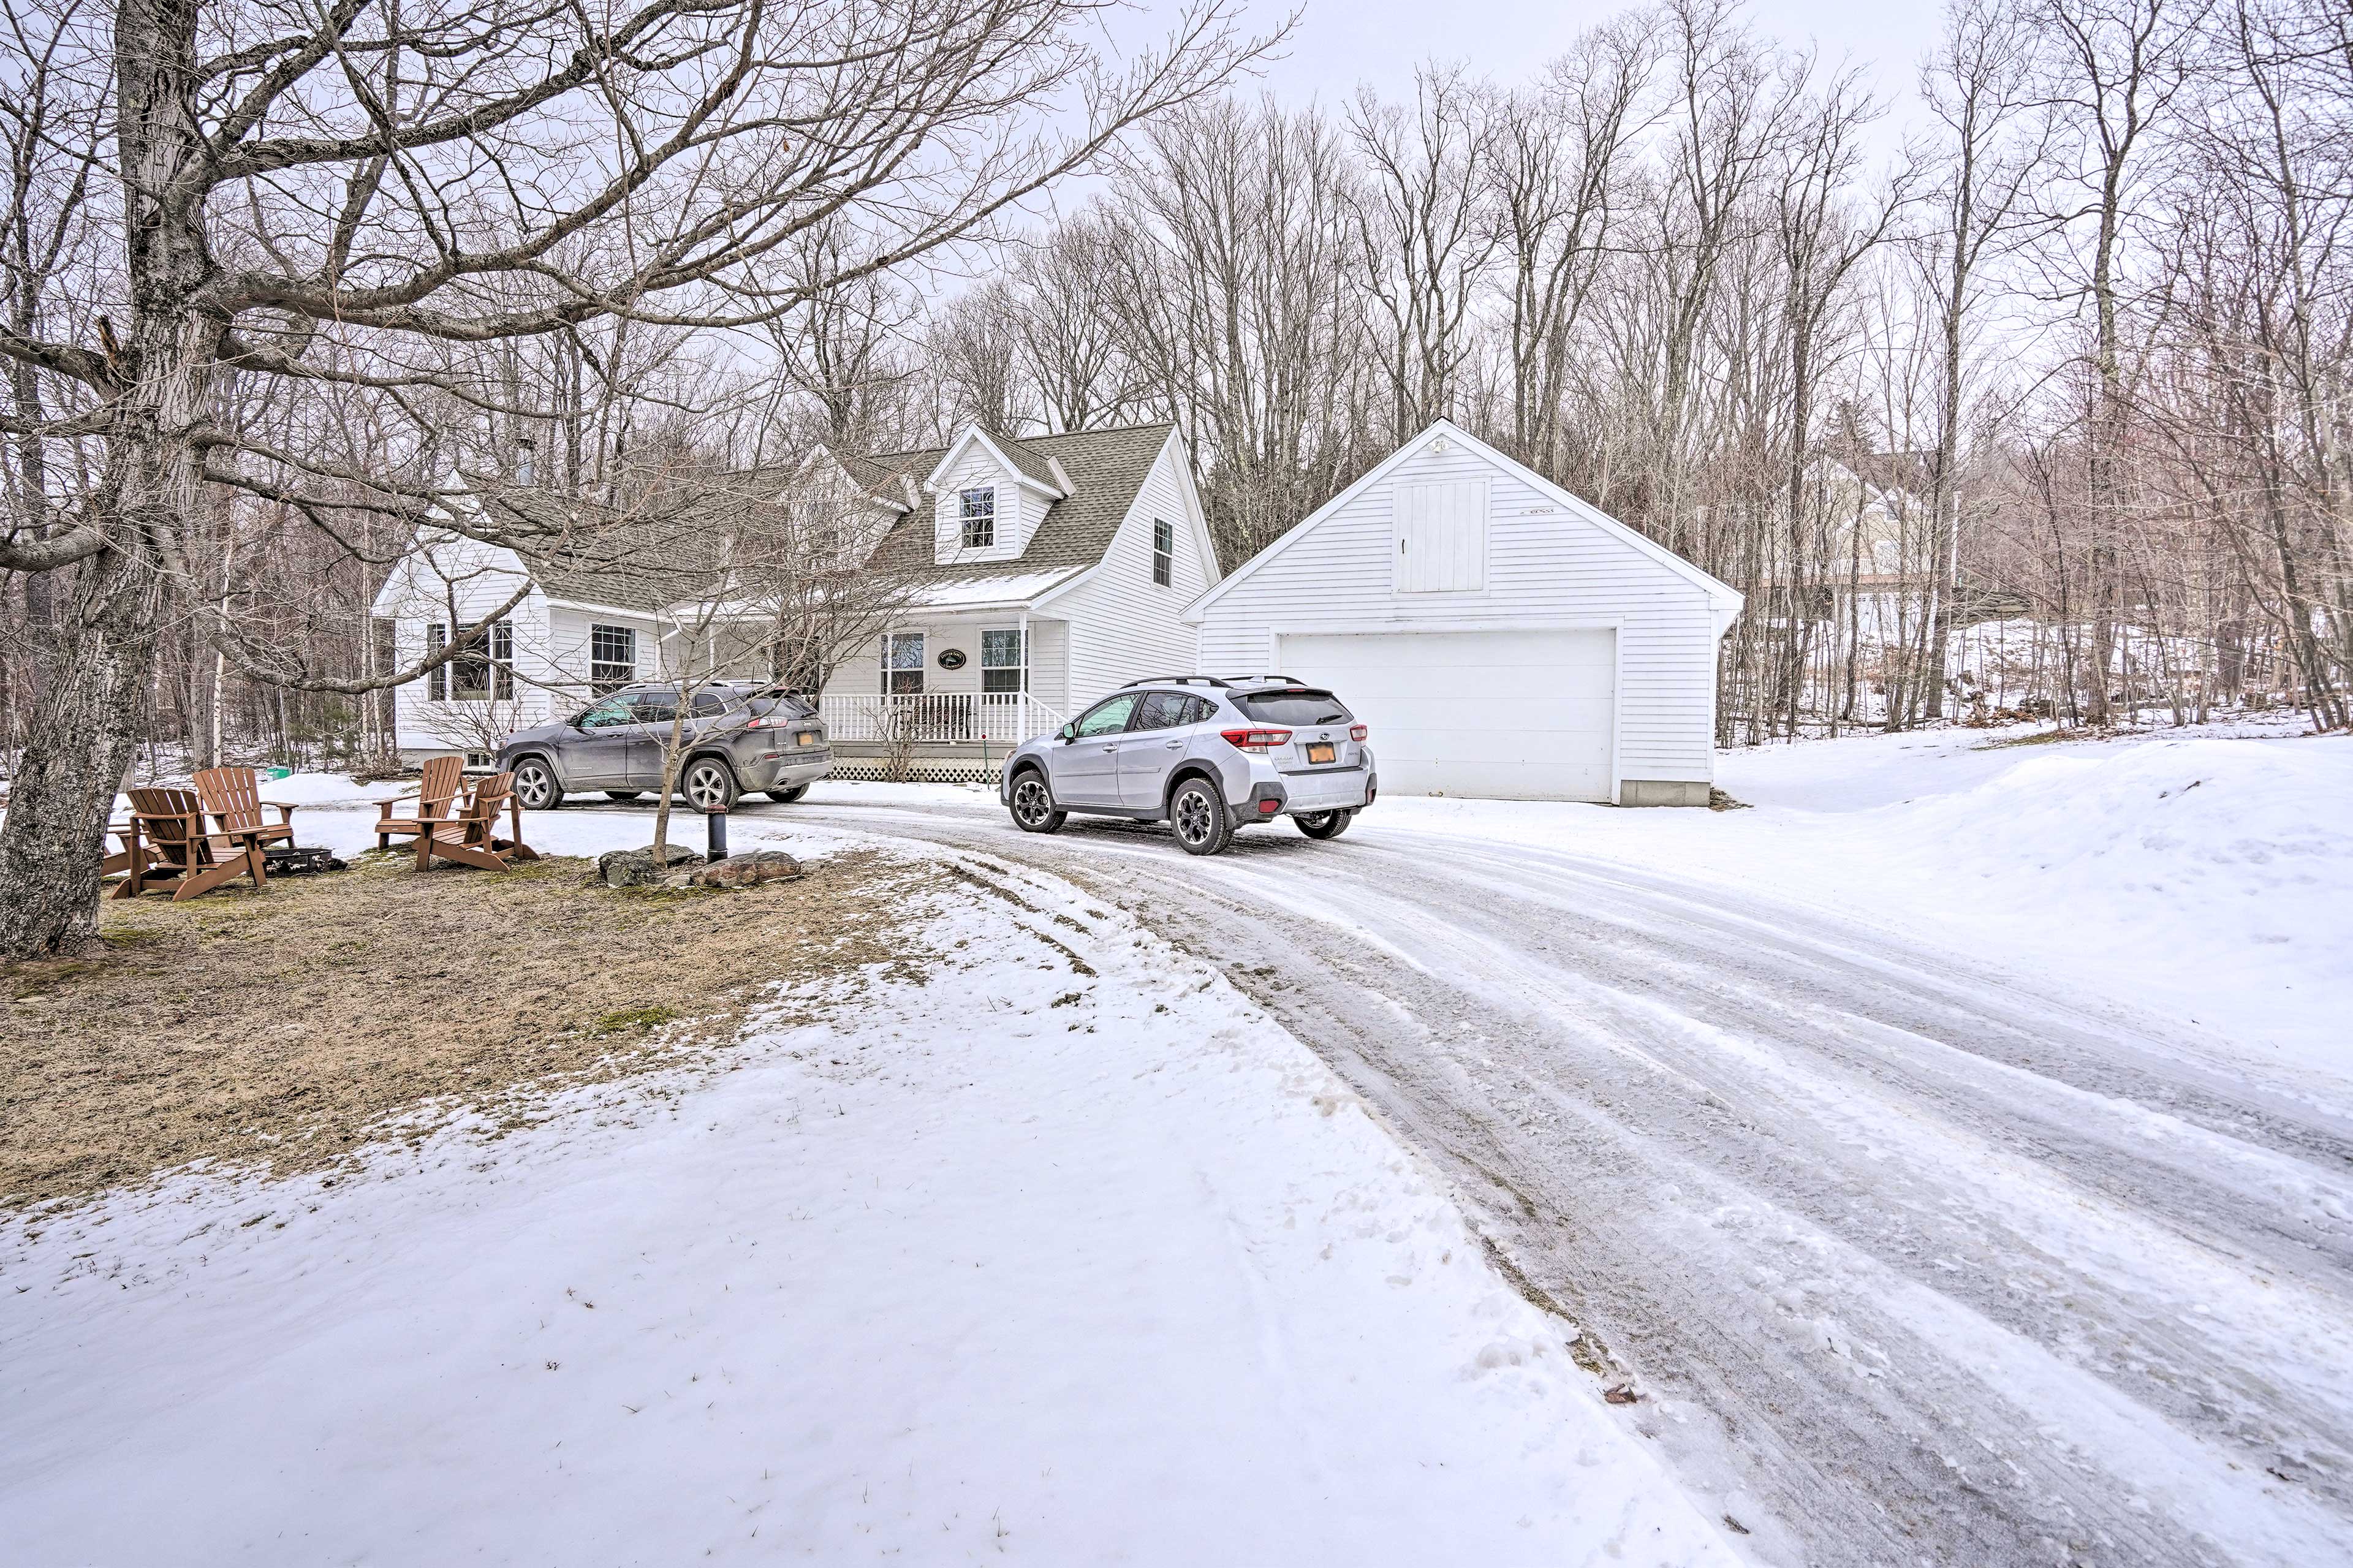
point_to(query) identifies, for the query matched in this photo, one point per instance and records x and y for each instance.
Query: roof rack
(1211, 680)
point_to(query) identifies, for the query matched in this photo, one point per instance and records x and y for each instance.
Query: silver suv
(740, 738)
(1207, 755)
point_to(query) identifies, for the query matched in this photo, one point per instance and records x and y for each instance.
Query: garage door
(1503, 715)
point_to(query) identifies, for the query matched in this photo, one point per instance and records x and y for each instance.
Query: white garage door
(1504, 715)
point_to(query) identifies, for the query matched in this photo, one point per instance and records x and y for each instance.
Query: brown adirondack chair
(132, 853)
(444, 778)
(470, 837)
(232, 798)
(171, 847)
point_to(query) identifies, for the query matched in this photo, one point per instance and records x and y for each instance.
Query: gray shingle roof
(595, 555)
(1106, 468)
(583, 551)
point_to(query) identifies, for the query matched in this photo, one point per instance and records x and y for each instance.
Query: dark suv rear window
(1296, 706)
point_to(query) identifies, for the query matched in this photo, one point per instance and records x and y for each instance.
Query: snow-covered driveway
(1937, 1259)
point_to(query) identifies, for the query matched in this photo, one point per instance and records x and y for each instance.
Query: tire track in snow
(1919, 1261)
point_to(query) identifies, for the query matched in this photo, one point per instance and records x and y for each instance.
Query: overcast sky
(1340, 43)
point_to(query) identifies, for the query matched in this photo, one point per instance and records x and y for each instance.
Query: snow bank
(1060, 1253)
(2215, 874)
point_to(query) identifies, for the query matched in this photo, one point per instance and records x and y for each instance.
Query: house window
(437, 681)
(487, 669)
(903, 663)
(1002, 668)
(979, 519)
(502, 659)
(1163, 551)
(612, 659)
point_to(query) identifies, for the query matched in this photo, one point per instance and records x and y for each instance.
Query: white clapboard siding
(1545, 563)
(1122, 624)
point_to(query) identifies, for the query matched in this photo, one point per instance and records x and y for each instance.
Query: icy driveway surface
(1941, 1263)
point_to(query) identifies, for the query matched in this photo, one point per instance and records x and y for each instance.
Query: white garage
(1502, 638)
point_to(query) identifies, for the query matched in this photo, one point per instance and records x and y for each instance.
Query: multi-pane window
(1163, 551)
(903, 663)
(486, 670)
(1002, 668)
(612, 659)
(437, 681)
(502, 659)
(979, 511)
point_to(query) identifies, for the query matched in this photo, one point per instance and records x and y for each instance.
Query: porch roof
(1011, 590)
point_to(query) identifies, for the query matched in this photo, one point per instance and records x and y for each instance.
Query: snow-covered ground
(1067, 1255)
(2201, 874)
(1953, 1147)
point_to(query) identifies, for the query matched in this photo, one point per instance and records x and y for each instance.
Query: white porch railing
(939, 717)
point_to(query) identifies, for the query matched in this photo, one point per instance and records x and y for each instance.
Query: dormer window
(979, 511)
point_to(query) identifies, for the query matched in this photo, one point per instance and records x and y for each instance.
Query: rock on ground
(636, 867)
(746, 870)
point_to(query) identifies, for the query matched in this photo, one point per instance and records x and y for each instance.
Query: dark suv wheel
(1323, 824)
(1033, 804)
(787, 796)
(1199, 814)
(535, 785)
(709, 784)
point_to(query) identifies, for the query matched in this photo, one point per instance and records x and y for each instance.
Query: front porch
(943, 697)
(951, 737)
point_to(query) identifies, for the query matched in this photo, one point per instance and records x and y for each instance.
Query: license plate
(1319, 752)
(804, 739)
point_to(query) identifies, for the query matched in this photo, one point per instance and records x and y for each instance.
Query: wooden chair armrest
(285, 812)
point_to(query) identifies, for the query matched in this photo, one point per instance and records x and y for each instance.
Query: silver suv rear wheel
(1199, 816)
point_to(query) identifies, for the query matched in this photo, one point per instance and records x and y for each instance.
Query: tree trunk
(83, 734)
(79, 746)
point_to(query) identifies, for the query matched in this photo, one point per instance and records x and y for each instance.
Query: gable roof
(585, 553)
(1107, 467)
(1726, 597)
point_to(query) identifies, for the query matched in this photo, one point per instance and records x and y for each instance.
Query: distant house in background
(1026, 577)
(1502, 637)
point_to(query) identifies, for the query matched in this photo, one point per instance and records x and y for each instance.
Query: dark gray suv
(1206, 755)
(741, 738)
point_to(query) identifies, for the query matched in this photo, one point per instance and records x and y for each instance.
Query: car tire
(1197, 813)
(623, 793)
(709, 784)
(1032, 805)
(535, 785)
(1323, 824)
(787, 796)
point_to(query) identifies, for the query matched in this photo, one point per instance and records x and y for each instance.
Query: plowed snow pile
(2211, 879)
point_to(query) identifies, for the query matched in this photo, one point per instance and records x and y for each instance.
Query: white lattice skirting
(926, 769)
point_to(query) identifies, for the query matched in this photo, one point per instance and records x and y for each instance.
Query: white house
(1502, 637)
(590, 618)
(1030, 577)
(1044, 573)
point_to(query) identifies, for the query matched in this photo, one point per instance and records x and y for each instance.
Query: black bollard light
(716, 823)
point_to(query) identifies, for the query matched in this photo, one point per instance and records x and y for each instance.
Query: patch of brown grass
(287, 1026)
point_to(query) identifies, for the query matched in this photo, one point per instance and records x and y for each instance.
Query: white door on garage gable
(1498, 715)
(1439, 542)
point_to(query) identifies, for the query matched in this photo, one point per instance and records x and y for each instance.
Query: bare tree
(367, 201)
